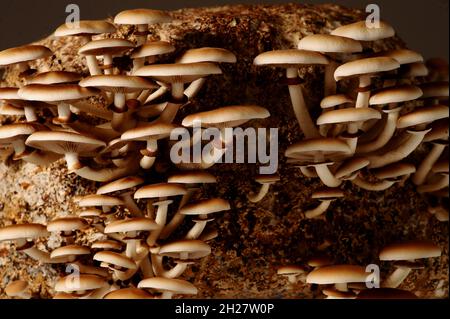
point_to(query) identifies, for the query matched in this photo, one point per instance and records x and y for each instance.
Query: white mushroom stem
(141, 38)
(73, 162)
(92, 64)
(120, 100)
(175, 272)
(130, 250)
(107, 64)
(145, 99)
(441, 182)
(124, 275)
(147, 162)
(425, 166)
(396, 278)
(304, 119)
(30, 114)
(398, 153)
(330, 82)
(341, 287)
(131, 205)
(106, 174)
(196, 231)
(326, 176)
(362, 99)
(308, 172)
(41, 158)
(194, 88)
(378, 186)
(319, 210)
(19, 146)
(161, 219)
(146, 267)
(171, 109)
(167, 295)
(64, 112)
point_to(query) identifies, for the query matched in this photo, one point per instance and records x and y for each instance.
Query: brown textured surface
(254, 238)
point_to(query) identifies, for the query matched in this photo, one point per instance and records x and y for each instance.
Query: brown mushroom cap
(334, 293)
(367, 66)
(55, 77)
(80, 283)
(360, 31)
(195, 249)
(267, 178)
(178, 72)
(12, 132)
(155, 131)
(115, 259)
(142, 16)
(205, 207)
(107, 245)
(435, 90)
(290, 58)
(396, 94)
(207, 54)
(176, 286)
(99, 200)
(120, 185)
(16, 288)
(192, 177)
(10, 110)
(328, 43)
(55, 92)
(128, 293)
(70, 250)
(152, 49)
(117, 83)
(336, 274)
(106, 46)
(24, 54)
(439, 131)
(410, 250)
(394, 170)
(66, 224)
(403, 56)
(327, 193)
(85, 27)
(335, 100)
(160, 190)
(385, 293)
(291, 270)
(423, 115)
(350, 166)
(348, 115)
(22, 231)
(319, 261)
(131, 225)
(318, 149)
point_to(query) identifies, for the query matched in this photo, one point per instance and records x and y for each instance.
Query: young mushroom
(22, 55)
(80, 286)
(18, 289)
(326, 197)
(169, 287)
(123, 267)
(266, 181)
(360, 31)
(128, 293)
(70, 252)
(339, 275)
(67, 227)
(328, 104)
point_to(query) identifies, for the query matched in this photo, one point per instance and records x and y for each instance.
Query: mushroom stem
(194, 88)
(148, 161)
(175, 272)
(326, 176)
(106, 174)
(197, 229)
(141, 38)
(308, 172)
(304, 119)
(330, 82)
(131, 205)
(439, 184)
(120, 100)
(92, 64)
(396, 278)
(255, 198)
(108, 64)
(161, 219)
(380, 186)
(341, 287)
(171, 109)
(153, 96)
(146, 268)
(319, 210)
(19, 147)
(30, 114)
(73, 162)
(64, 112)
(167, 295)
(130, 250)
(427, 163)
(362, 99)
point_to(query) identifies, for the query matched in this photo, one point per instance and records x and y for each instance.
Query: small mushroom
(80, 286)
(18, 289)
(326, 197)
(22, 55)
(265, 181)
(339, 275)
(123, 267)
(70, 252)
(67, 227)
(293, 273)
(169, 287)
(128, 293)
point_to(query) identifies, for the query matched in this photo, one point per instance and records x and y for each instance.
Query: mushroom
(434, 92)
(18, 289)
(123, 267)
(409, 60)
(104, 201)
(10, 110)
(80, 286)
(128, 293)
(71, 252)
(319, 261)
(107, 245)
(335, 48)
(440, 213)
(55, 77)
(349, 169)
(67, 227)
(388, 176)
(292, 60)
(168, 287)
(22, 55)
(89, 270)
(15, 136)
(329, 103)
(326, 197)
(406, 251)
(336, 294)
(265, 181)
(360, 31)
(293, 273)
(339, 275)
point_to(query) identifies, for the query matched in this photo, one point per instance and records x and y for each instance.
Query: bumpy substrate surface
(254, 238)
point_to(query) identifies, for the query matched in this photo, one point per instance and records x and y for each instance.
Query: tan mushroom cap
(337, 274)
(24, 54)
(423, 115)
(403, 56)
(115, 259)
(435, 89)
(394, 170)
(319, 261)
(328, 43)
(160, 190)
(335, 100)
(152, 49)
(89, 213)
(9, 93)
(80, 283)
(291, 270)
(60, 142)
(318, 149)
(107, 244)
(23, 231)
(176, 286)
(178, 72)
(85, 27)
(360, 31)
(290, 58)
(70, 250)
(11, 132)
(128, 293)
(327, 193)
(205, 207)
(16, 288)
(396, 94)
(106, 46)
(410, 250)
(439, 131)
(207, 54)
(267, 178)
(131, 225)
(229, 115)
(10, 110)
(100, 200)
(117, 83)
(142, 16)
(385, 293)
(441, 166)
(120, 185)
(348, 115)
(66, 224)
(367, 66)
(351, 166)
(192, 177)
(155, 131)
(195, 249)
(416, 69)
(55, 77)
(55, 92)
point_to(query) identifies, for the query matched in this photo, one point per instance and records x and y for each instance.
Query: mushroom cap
(385, 293)
(22, 231)
(90, 212)
(318, 150)
(351, 166)
(413, 70)
(360, 31)
(435, 89)
(128, 293)
(290, 58)
(207, 54)
(80, 282)
(99, 200)
(327, 193)
(24, 54)
(195, 249)
(60, 142)
(396, 94)
(12, 132)
(192, 177)
(423, 115)
(335, 100)
(120, 185)
(410, 250)
(178, 72)
(291, 270)
(394, 170)
(10, 110)
(70, 250)
(55, 77)
(403, 56)
(16, 288)
(131, 225)
(9, 93)
(319, 261)
(152, 49)
(107, 244)
(151, 131)
(117, 83)
(337, 274)
(205, 207)
(176, 286)
(66, 224)
(348, 115)
(328, 43)
(160, 190)
(55, 92)
(227, 116)
(267, 178)
(115, 259)
(106, 46)
(367, 66)
(142, 16)
(441, 166)
(85, 27)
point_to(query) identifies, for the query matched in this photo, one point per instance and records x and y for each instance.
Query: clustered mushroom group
(363, 136)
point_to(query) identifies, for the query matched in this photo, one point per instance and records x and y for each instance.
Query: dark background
(423, 24)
